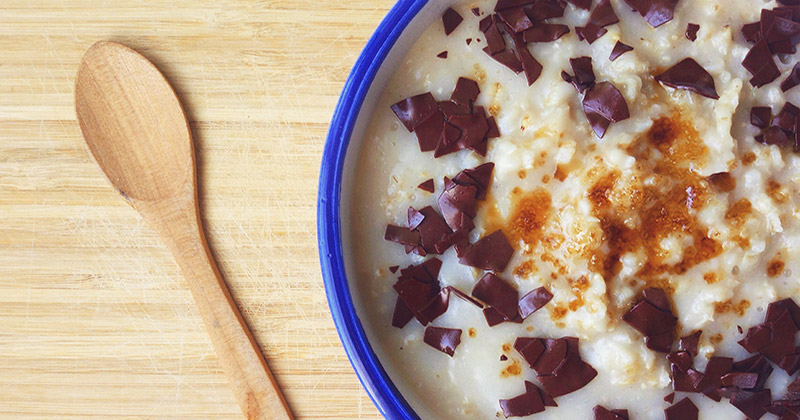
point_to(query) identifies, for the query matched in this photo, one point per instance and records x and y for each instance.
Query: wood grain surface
(95, 318)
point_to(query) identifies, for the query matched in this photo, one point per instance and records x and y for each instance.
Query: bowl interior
(371, 73)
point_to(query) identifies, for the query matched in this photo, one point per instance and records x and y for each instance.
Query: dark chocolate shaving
(547, 9)
(458, 205)
(451, 19)
(479, 177)
(466, 92)
(515, 19)
(603, 104)
(655, 12)
(670, 398)
(427, 186)
(689, 75)
(690, 342)
(683, 410)
(498, 294)
(412, 111)
(691, 31)
(582, 4)
(590, 33)
(602, 413)
(761, 65)
(442, 54)
(534, 301)
(446, 340)
(476, 11)
(533, 401)
(492, 252)
(401, 235)
(754, 404)
(545, 32)
(529, 348)
(761, 116)
(402, 314)
(793, 79)
(774, 339)
(711, 380)
(394, 268)
(435, 235)
(619, 49)
(461, 295)
(786, 117)
(495, 318)
(653, 318)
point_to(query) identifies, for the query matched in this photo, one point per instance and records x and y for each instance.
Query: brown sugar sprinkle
(506, 347)
(545, 179)
(775, 267)
(514, 369)
(530, 213)
(729, 306)
(748, 158)
(666, 207)
(561, 173)
(776, 192)
(525, 269)
(743, 242)
(710, 278)
(739, 212)
(472, 332)
(558, 312)
(715, 339)
(522, 174)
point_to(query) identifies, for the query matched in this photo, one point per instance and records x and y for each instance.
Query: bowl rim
(373, 377)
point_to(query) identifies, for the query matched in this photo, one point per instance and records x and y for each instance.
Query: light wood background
(95, 320)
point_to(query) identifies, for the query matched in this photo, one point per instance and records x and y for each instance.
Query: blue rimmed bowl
(376, 65)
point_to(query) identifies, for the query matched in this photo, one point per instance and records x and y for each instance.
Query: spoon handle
(253, 384)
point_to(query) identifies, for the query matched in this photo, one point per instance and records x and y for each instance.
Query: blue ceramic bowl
(388, 45)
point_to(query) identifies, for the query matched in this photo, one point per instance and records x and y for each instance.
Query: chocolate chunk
(603, 104)
(760, 64)
(457, 204)
(524, 405)
(761, 116)
(479, 177)
(493, 317)
(775, 309)
(741, 380)
(451, 19)
(545, 32)
(515, 19)
(757, 364)
(786, 117)
(427, 186)
(402, 314)
(683, 410)
(691, 31)
(753, 404)
(466, 91)
(492, 252)
(681, 359)
(582, 4)
(442, 54)
(603, 14)
(752, 32)
(446, 340)
(711, 381)
(571, 375)
(602, 413)
(429, 131)
(689, 75)
(498, 294)
(773, 135)
(793, 79)
(534, 301)
(619, 49)
(464, 296)
(690, 342)
(590, 33)
(655, 12)
(508, 59)
(547, 9)
(529, 348)
(670, 398)
(652, 317)
(584, 74)
(414, 110)
(433, 230)
(401, 235)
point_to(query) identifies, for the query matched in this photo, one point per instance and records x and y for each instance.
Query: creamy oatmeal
(602, 231)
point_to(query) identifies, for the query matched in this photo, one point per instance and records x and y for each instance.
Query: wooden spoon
(135, 128)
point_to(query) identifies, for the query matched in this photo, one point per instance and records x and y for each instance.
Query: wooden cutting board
(95, 319)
